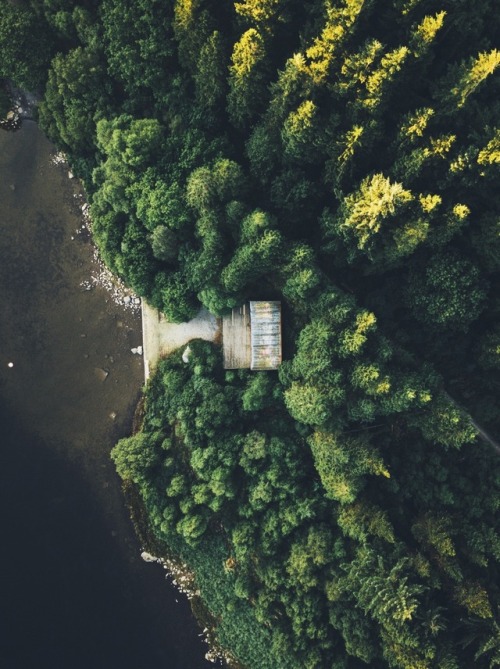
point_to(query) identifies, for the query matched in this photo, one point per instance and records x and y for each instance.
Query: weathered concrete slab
(161, 337)
(236, 338)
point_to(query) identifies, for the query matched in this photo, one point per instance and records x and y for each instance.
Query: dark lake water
(74, 592)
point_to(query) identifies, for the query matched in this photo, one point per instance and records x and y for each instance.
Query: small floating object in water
(10, 364)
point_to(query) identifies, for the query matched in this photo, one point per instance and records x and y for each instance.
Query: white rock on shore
(102, 374)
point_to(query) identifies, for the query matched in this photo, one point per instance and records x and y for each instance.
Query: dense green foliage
(27, 43)
(342, 156)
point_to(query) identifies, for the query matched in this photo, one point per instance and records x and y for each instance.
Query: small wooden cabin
(251, 336)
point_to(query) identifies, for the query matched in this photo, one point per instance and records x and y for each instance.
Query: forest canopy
(342, 156)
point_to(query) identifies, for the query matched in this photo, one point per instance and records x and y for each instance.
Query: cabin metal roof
(265, 335)
(251, 336)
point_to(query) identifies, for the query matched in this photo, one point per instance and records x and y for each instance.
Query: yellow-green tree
(246, 77)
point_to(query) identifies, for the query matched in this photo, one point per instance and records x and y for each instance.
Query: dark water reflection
(74, 591)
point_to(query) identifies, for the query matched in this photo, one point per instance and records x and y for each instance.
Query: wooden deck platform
(236, 338)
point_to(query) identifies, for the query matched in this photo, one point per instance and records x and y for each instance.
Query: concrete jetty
(160, 337)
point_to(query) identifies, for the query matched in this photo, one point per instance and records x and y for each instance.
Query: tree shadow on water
(69, 597)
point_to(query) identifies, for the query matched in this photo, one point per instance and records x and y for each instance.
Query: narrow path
(485, 436)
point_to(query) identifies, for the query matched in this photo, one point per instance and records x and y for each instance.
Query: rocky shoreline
(23, 107)
(176, 571)
(101, 276)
